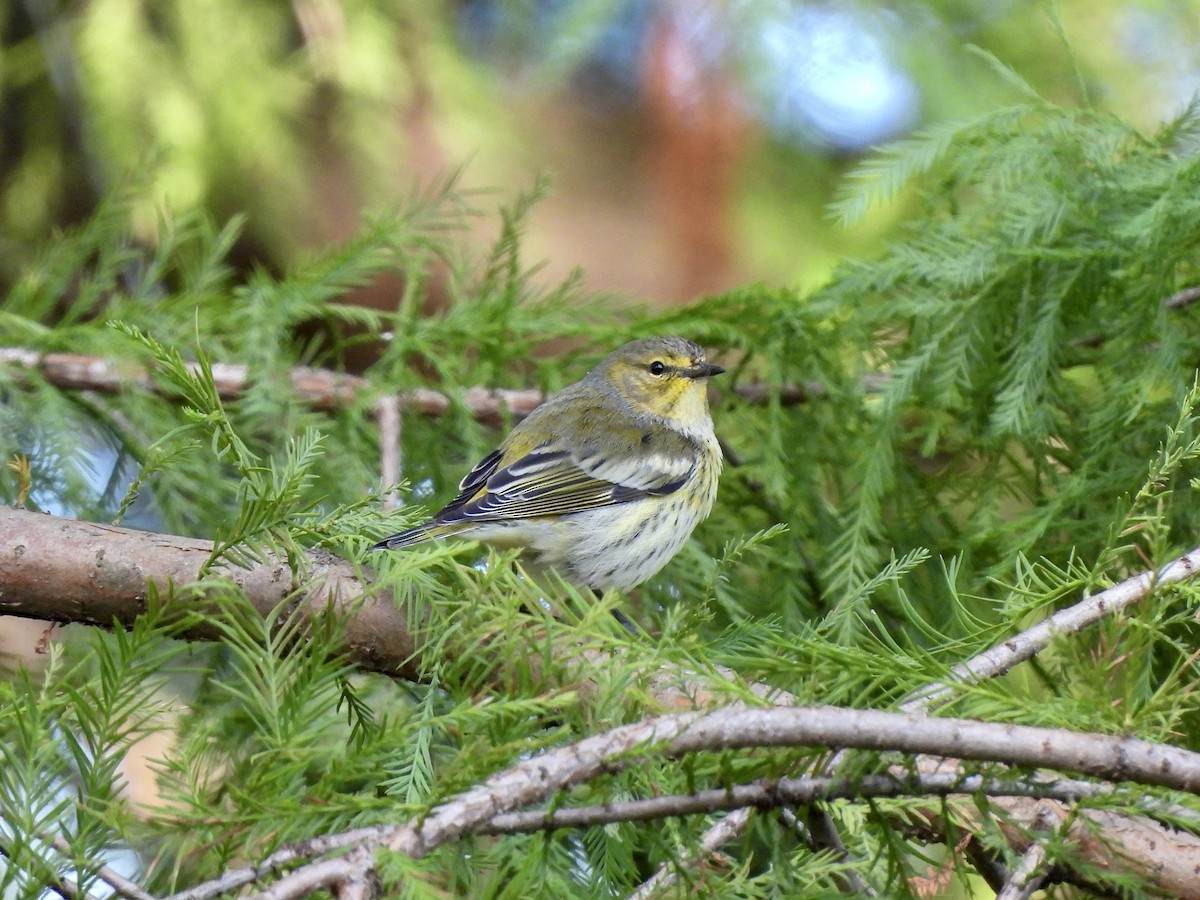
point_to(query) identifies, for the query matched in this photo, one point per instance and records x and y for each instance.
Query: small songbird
(603, 482)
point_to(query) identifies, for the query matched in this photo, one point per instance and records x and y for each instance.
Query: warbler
(605, 480)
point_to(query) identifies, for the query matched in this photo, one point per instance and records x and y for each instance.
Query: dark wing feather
(550, 480)
(475, 479)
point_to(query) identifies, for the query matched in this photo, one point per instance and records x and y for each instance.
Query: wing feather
(552, 480)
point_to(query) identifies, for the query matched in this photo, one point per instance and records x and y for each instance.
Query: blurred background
(690, 146)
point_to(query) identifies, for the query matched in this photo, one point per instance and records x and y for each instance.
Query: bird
(603, 482)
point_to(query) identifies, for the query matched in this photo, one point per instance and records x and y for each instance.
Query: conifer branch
(327, 390)
(535, 779)
(1021, 647)
(102, 576)
(802, 791)
(122, 886)
(991, 663)
(764, 794)
(66, 570)
(67, 888)
(320, 845)
(64, 887)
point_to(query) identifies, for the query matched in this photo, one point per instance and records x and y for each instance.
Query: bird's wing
(552, 480)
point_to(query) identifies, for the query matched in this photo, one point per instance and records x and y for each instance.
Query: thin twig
(1017, 649)
(1182, 298)
(51, 880)
(1029, 874)
(326, 873)
(803, 791)
(115, 880)
(391, 465)
(328, 390)
(324, 844)
(825, 835)
(716, 837)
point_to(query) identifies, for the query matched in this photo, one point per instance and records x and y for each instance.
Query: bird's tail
(428, 532)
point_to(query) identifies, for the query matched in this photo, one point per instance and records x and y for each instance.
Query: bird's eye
(658, 367)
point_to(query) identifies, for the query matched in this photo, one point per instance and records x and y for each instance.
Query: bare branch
(532, 780)
(1185, 297)
(328, 390)
(65, 570)
(1003, 657)
(1024, 646)
(391, 464)
(1029, 874)
(322, 388)
(775, 793)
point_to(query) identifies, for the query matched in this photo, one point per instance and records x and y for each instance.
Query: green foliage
(66, 734)
(994, 417)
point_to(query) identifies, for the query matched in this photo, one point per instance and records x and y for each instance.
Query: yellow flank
(606, 480)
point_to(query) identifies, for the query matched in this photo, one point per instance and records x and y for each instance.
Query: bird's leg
(627, 622)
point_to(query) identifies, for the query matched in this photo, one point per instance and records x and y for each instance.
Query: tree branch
(1029, 874)
(322, 388)
(1027, 877)
(122, 886)
(717, 836)
(775, 793)
(102, 580)
(65, 570)
(765, 794)
(328, 390)
(533, 780)
(1027, 644)
(391, 461)
(991, 663)
(321, 845)
(64, 887)
(1181, 298)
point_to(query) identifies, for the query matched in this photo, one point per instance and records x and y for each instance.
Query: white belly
(613, 546)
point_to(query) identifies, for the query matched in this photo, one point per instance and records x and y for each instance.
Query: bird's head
(664, 376)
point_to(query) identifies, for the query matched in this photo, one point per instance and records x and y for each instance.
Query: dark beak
(702, 370)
